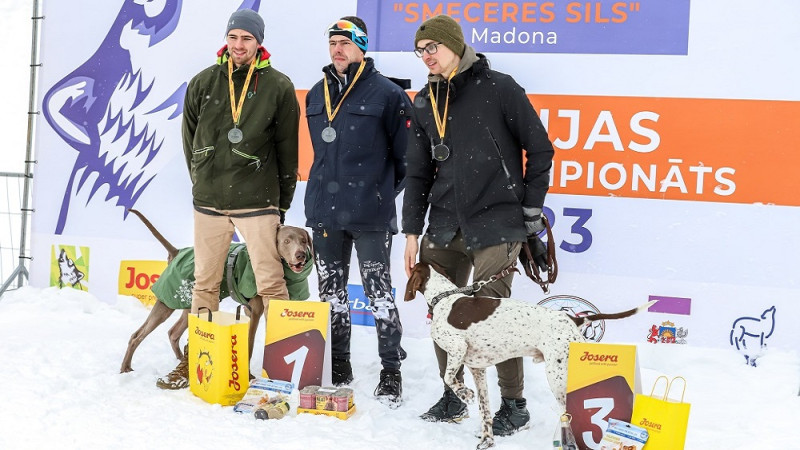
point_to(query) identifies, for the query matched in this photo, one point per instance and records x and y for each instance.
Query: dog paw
(465, 394)
(486, 442)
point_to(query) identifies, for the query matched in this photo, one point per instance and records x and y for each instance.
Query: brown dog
(295, 248)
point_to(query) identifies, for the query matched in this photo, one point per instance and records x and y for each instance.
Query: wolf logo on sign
(69, 275)
(116, 108)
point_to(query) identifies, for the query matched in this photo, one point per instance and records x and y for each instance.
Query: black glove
(534, 224)
(283, 216)
(538, 252)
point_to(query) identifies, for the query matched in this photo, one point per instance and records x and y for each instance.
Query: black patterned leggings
(333, 251)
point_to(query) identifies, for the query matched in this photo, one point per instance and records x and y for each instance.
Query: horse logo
(755, 330)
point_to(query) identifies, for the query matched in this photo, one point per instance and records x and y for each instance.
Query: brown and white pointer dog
(479, 332)
(293, 244)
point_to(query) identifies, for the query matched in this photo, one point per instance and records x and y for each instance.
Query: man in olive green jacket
(240, 126)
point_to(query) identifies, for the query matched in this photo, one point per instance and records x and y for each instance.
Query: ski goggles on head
(349, 30)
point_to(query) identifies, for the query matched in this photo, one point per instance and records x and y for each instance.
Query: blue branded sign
(360, 312)
(648, 27)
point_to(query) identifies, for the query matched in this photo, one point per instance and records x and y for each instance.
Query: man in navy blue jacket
(358, 120)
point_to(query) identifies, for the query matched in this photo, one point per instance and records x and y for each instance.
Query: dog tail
(171, 250)
(620, 315)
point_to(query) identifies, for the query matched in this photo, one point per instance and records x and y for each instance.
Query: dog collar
(469, 290)
(474, 287)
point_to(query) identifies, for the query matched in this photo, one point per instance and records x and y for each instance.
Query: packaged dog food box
(623, 436)
(329, 401)
(263, 391)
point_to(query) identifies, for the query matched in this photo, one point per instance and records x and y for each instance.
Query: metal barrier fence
(13, 238)
(16, 206)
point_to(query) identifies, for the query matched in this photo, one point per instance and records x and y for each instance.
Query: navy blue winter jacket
(354, 179)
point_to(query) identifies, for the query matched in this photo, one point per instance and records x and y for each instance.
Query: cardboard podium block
(601, 382)
(295, 345)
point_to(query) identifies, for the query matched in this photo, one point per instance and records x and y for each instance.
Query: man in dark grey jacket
(465, 169)
(358, 120)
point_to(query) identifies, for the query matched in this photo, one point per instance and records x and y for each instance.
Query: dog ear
(414, 284)
(310, 242)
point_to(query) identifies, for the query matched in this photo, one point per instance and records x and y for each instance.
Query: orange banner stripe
(729, 151)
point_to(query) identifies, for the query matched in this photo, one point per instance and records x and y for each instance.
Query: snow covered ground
(61, 350)
(59, 371)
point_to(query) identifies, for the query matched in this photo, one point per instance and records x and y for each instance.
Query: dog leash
(474, 287)
(531, 270)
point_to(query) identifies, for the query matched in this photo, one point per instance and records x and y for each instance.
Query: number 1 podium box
(601, 382)
(296, 346)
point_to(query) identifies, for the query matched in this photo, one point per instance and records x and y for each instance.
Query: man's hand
(410, 256)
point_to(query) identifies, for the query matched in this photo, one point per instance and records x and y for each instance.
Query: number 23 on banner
(581, 238)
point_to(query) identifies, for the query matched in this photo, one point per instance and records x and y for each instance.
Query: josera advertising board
(673, 121)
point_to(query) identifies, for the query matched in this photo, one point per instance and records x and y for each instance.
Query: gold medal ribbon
(237, 110)
(331, 115)
(441, 122)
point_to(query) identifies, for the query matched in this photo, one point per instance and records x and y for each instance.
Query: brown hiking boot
(179, 377)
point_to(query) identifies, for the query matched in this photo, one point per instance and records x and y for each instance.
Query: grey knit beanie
(442, 29)
(247, 20)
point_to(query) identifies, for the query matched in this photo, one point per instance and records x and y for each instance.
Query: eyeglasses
(430, 49)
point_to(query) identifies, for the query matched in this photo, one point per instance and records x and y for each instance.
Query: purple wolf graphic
(106, 109)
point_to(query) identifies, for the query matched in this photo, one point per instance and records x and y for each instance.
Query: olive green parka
(261, 170)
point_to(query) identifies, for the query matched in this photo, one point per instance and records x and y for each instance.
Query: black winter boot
(513, 416)
(449, 408)
(341, 372)
(390, 388)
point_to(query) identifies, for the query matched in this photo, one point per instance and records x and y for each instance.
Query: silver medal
(235, 135)
(328, 134)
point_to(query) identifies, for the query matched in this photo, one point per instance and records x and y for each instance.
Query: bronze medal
(440, 152)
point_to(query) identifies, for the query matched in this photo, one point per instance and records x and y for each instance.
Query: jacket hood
(469, 58)
(262, 57)
(475, 63)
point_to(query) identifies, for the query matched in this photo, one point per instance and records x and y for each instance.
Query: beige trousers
(212, 239)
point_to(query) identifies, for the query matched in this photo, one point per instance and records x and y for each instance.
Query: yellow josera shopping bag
(666, 420)
(219, 362)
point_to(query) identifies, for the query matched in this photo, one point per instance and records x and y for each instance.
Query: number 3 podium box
(601, 382)
(296, 347)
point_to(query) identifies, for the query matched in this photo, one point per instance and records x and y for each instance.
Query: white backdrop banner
(674, 124)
